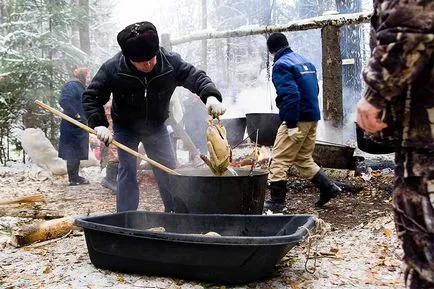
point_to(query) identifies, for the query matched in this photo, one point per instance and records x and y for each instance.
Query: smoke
(346, 134)
(259, 98)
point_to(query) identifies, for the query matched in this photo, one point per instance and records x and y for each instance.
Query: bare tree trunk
(2, 151)
(51, 101)
(75, 37)
(326, 5)
(204, 53)
(219, 48)
(8, 141)
(332, 75)
(84, 26)
(2, 11)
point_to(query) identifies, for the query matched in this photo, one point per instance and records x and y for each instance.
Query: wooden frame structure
(331, 51)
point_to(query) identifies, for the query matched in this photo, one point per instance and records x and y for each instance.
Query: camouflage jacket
(400, 71)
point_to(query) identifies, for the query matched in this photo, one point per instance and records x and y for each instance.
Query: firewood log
(26, 199)
(33, 212)
(41, 231)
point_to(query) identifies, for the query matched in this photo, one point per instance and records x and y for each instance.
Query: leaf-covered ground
(359, 251)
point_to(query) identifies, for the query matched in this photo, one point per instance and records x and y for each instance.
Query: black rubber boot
(79, 181)
(110, 179)
(327, 188)
(277, 201)
(73, 166)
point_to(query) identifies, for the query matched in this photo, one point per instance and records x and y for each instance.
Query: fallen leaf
(334, 249)
(120, 278)
(388, 232)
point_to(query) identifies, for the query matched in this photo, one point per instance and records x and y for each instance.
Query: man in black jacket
(142, 78)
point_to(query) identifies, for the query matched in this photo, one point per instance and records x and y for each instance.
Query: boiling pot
(199, 191)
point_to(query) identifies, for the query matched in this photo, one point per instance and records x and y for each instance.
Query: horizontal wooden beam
(296, 25)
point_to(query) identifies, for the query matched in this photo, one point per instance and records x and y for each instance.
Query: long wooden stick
(114, 142)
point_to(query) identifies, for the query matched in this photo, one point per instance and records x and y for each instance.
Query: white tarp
(41, 152)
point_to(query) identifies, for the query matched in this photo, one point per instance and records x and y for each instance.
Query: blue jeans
(156, 142)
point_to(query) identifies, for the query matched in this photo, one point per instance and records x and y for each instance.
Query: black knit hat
(276, 41)
(139, 41)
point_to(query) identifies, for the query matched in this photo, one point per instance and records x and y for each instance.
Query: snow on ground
(365, 256)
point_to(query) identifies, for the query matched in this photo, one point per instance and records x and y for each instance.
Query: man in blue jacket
(142, 78)
(295, 80)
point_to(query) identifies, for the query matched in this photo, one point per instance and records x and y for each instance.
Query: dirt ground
(359, 251)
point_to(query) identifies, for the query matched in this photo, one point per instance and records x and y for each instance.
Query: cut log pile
(27, 207)
(39, 230)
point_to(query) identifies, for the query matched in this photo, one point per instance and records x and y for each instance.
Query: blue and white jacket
(296, 83)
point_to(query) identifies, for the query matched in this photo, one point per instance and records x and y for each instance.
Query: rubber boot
(327, 188)
(110, 179)
(277, 201)
(73, 166)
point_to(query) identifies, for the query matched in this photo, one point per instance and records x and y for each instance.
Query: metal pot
(333, 155)
(267, 125)
(370, 146)
(198, 191)
(235, 129)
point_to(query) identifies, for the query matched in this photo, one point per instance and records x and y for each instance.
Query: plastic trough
(248, 249)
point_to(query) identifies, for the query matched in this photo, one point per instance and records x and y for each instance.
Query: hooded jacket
(140, 98)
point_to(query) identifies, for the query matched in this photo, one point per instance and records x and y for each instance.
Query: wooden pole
(332, 75)
(114, 142)
(296, 25)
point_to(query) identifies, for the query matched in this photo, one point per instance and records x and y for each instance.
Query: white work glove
(292, 131)
(296, 135)
(104, 134)
(214, 107)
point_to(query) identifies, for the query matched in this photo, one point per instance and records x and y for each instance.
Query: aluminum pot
(235, 129)
(198, 191)
(266, 123)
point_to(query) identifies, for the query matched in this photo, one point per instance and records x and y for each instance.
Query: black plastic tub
(247, 249)
(267, 125)
(235, 130)
(198, 191)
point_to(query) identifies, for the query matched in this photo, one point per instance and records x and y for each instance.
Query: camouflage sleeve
(401, 45)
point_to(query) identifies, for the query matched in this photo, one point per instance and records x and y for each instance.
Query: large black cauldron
(266, 123)
(370, 146)
(198, 191)
(235, 129)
